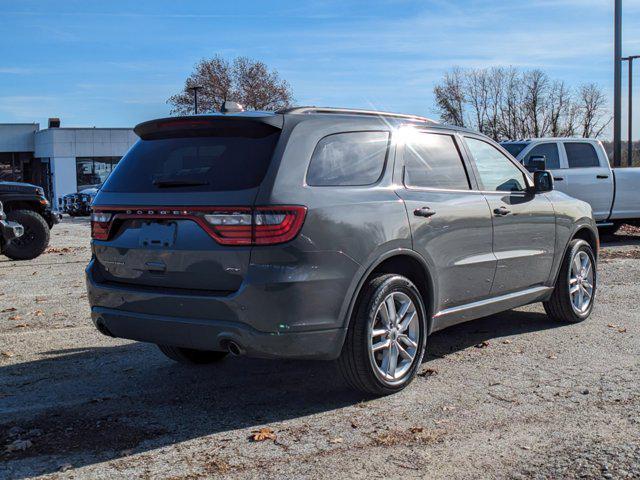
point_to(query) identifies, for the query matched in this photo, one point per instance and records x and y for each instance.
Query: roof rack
(354, 111)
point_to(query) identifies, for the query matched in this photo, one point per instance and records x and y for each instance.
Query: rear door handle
(424, 212)
(602, 176)
(502, 211)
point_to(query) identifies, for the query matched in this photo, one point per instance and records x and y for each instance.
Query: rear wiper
(179, 183)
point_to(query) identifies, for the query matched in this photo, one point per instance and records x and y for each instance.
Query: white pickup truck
(581, 169)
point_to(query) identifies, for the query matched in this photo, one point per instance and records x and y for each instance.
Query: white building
(61, 160)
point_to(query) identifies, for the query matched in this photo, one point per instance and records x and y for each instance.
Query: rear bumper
(279, 310)
(213, 334)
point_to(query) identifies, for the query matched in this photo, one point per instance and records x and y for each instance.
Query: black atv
(26, 205)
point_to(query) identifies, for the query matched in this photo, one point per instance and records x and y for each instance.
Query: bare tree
(450, 98)
(591, 102)
(506, 103)
(244, 80)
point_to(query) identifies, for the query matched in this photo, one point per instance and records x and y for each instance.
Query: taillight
(260, 226)
(230, 227)
(100, 225)
(272, 225)
(226, 225)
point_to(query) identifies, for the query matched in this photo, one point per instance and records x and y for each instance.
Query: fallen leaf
(506, 342)
(21, 325)
(17, 445)
(525, 447)
(7, 354)
(416, 429)
(622, 329)
(15, 317)
(551, 356)
(10, 309)
(41, 299)
(263, 434)
(483, 344)
(336, 440)
(428, 372)
(38, 313)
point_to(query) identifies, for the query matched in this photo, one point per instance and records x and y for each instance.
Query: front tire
(573, 295)
(35, 239)
(190, 356)
(386, 339)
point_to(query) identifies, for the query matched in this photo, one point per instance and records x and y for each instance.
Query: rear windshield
(208, 163)
(514, 148)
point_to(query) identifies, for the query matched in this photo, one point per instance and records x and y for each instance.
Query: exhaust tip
(233, 348)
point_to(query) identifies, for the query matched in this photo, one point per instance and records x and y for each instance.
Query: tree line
(507, 103)
(501, 102)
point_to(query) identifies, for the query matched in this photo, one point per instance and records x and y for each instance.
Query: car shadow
(619, 240)
(82, 406)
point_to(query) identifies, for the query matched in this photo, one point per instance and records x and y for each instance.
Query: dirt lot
(510, 396)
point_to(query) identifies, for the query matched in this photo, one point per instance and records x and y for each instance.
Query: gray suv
(327, 234)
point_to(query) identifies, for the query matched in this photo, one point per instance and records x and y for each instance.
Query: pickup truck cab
(581, 169)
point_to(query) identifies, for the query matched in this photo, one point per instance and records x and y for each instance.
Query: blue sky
(114, 63)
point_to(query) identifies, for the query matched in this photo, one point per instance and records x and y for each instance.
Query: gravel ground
(509, 396)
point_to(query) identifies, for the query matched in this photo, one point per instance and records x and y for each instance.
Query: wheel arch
(404, 262)
(583, 231)
(589, 235)
(10, 205)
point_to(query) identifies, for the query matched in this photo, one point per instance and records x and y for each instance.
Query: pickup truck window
(581, 155)
(432, 161)
(514, 148)
(550, 152)
(497, 172)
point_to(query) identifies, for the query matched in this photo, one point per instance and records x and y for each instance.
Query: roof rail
(354, 111)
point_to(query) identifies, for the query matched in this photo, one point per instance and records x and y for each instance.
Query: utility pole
(195, 89)
(630, 59)
(617, 83)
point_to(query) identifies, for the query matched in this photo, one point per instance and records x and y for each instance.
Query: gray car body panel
(295, 299)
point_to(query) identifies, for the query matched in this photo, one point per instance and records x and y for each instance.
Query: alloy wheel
(581, 282)
(394, 334)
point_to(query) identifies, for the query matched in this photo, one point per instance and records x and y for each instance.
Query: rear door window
(348, 159)
(581, 155)
(432, 160)
(549, 151)
(208, 163)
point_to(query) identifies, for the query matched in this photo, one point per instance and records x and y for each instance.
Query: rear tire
(190, 356)
(35, 239)
(364, 363)
(564, 305)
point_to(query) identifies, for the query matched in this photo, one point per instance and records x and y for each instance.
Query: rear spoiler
(249, 124)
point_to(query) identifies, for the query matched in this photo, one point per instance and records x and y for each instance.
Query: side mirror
(542, 181)
(535, 163)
